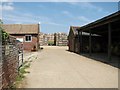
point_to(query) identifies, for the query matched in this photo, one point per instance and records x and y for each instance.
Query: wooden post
(81, 41)
(90, 43)
(78, 35)
(109, 42)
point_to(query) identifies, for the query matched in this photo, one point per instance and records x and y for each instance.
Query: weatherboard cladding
(72, 43)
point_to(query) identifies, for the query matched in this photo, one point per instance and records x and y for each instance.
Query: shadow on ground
(102, 57)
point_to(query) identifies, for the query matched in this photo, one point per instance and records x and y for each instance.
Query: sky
(56, 16)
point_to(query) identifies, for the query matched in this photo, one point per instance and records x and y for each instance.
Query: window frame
(27, 36)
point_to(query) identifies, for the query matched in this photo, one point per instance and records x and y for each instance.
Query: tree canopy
(2, 32)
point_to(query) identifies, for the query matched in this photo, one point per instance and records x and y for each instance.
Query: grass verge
(21, 75)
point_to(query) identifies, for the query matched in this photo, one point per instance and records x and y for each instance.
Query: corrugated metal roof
(75, 31)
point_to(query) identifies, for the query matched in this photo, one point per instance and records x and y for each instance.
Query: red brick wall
(29, 45)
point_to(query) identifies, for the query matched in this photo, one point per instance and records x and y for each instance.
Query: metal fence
(20, 53)
(20, 59)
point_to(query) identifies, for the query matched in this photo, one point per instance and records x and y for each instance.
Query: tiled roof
(21, 28)
(75, 28)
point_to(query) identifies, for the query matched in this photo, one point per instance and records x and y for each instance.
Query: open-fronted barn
(107, 41)
(102, 40)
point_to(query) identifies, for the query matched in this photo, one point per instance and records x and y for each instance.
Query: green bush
(50, 42)
(4, 34)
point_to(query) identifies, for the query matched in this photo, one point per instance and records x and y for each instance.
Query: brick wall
(29, 45)
(9, 62)
(61, 39)
(0, 60)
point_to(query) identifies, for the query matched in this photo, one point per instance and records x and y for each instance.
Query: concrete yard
(55, 67)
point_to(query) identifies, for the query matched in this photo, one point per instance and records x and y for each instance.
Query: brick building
(50, 38)
(41, 39)
(60, 39)
(46, 39)
(28, 34)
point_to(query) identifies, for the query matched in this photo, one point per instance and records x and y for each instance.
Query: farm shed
(106, 40)
(28, 34)
(73, 42)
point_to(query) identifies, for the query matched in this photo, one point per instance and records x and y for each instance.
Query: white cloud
(84, 19)
(6, 0)
(81, 18)
(7, 6)
(53, 23)
(0, 11)
(64, 0)
(10, 3)
(67, 13)
(86, 5)
(29, 18)
(20, 18)
(0, 15)
(91, 6)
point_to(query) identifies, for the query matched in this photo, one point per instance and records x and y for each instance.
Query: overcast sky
(56, 16)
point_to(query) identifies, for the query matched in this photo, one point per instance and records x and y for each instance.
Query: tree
(3, 34)
(50, 42)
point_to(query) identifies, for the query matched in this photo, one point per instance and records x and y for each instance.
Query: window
(28, 38)
(19, 39)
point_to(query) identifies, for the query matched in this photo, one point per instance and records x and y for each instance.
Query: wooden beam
(99, 23)
(90, 43)
(79, 35)
(79, 40)
(81, 46)
(109, 42)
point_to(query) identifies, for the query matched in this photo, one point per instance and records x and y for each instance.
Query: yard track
(55, 67)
